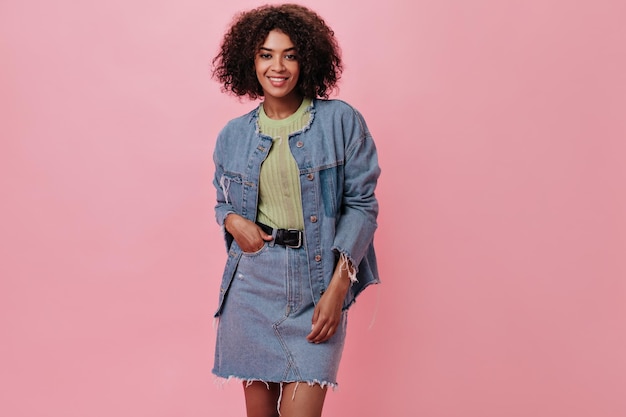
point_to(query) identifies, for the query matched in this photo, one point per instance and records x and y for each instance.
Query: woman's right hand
(248, 235)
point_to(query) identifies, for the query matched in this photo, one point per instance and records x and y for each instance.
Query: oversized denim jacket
(338, 165)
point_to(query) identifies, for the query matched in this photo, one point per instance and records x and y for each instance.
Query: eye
(265, 56)
(291, 57)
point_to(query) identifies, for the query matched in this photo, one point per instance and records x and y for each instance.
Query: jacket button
(313, 219)
(299, 144)
(310, 177)
(318, 258)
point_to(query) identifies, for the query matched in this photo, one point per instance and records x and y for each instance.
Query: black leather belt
(292, 238)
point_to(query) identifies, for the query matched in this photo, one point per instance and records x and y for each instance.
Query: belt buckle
(299, 245)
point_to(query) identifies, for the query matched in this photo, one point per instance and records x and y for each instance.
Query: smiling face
(277, 68)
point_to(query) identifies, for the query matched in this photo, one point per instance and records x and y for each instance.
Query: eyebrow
(293, 48)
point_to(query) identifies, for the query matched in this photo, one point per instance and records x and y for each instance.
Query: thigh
(261, 399)
(300, 399)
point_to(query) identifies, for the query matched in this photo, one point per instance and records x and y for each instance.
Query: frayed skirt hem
(222, 380)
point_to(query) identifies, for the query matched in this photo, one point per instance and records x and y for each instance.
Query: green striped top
(280, 201)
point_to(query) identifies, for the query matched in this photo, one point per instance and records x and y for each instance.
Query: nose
(277, 64)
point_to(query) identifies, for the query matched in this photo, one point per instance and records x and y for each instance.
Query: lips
(278, 81)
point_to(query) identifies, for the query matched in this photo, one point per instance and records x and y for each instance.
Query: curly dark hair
(318, 52)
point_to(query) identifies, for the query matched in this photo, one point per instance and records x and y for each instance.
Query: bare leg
(302, 400)
(261, 401)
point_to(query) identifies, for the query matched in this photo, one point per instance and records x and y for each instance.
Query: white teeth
(277, 79)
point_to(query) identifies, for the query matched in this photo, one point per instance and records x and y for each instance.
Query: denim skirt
(265, 319)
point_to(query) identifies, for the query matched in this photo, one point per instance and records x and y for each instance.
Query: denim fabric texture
(266, 317)
(338, 166)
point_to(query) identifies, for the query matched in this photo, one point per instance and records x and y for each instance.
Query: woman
(295, 182)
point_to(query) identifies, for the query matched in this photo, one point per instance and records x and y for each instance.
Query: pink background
(501, 129)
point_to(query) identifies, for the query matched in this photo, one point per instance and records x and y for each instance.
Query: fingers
(315, 328)
(264, 237)
(251, 246)
(322, 334)
(248, 235)
(324, 327)
(259, 243)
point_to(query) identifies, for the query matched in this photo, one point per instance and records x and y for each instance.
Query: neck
(281, 108)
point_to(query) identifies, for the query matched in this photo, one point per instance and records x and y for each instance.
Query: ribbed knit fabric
(280, 201)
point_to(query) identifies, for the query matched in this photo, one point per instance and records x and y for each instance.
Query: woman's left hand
(327, 313)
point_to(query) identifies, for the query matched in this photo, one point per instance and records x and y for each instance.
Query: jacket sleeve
(221, 183)
(355, 228)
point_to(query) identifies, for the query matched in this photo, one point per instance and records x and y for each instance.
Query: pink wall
(501, 128)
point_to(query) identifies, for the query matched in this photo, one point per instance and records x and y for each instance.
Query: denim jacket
(338, 165)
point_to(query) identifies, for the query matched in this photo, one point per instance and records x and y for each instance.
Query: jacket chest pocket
(331, 190)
